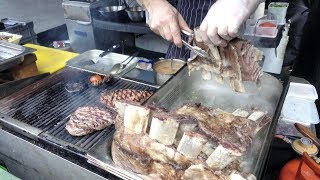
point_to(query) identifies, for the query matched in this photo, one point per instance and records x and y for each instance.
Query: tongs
(197, 50)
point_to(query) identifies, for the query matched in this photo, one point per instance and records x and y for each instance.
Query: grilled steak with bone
(86, 120)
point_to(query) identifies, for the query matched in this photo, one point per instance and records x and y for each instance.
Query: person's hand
(166, 21)
(224, 18)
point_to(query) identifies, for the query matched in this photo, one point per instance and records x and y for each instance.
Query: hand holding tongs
(197, 50)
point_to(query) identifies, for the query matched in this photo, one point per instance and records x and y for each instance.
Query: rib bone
(163, 129)
(221, 157)
(136, 118)
(191, 144)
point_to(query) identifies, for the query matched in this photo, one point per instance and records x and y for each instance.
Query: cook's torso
(193, 12)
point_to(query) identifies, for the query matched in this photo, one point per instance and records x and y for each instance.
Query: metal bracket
(20, 127)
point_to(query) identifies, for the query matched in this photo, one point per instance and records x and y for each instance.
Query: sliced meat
(86, 120)
(108, 98)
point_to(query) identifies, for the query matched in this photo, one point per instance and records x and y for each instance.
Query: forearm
(253, 4)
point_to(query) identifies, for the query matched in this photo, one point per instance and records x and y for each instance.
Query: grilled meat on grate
(86, 120)
(108, 98)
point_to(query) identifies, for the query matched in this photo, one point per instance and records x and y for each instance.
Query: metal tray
(269, 96)
(183, 88)
(103, 66)
(100, 156)
(12, 54)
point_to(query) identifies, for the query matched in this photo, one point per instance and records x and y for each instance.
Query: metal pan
(184, 88)
(113, 13)
(103, 66)
(269, 97)
(162, 69)
(12, 54)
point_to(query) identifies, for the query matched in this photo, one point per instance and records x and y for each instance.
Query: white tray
(303, 91)
(300, 111)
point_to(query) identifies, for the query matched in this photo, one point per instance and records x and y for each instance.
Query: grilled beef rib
(238, 61)
(182, 144)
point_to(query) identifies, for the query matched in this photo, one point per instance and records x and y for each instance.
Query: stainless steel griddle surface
(46, 106)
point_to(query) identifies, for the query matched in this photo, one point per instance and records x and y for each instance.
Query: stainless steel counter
(29, 161)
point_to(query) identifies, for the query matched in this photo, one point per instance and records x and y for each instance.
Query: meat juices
(86, 120)
(238, 61)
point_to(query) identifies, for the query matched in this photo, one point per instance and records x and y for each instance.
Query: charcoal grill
(41, 110)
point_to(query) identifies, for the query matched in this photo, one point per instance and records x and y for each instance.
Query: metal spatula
(120, 66)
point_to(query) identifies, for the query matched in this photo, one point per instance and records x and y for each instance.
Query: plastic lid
(304, 145)
(302, 91)
(300, 111)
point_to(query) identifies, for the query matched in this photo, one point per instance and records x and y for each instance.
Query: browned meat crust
(108, 98)
(86, 120)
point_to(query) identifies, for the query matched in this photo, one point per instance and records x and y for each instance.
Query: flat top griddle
(45, 107)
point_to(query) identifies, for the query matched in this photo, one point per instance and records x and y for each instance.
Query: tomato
(96, 80)
(267, 24)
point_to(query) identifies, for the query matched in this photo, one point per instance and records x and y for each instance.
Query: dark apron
(193, 12)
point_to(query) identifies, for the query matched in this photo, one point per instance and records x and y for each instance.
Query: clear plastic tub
(279, 9)
(303, 91)
(266, 31)
(250, 27)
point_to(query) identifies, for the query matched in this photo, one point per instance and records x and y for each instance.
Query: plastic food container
(267, 28)
(279, 9)
(303, 91)
(302, 111)
(287, 128)
(250, 27)
(12, 38)
(144, 65)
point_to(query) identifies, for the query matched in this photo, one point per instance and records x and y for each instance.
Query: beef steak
(86, 120)
(108, 98)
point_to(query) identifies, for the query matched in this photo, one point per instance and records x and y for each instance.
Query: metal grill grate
(49, 105)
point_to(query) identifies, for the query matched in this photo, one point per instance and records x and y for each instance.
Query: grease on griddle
(74, 87)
